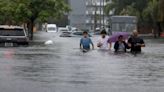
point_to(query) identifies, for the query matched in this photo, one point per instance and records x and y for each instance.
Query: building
(95, 14)
(88, 14)
(77, 16)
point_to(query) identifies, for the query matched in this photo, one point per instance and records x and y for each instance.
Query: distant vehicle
(51, 28)
(63, 29)
(80, 33)
(13, 36)
(69, 28)
(97, 31)
(123, 23)
(75, 29)
(66, 34)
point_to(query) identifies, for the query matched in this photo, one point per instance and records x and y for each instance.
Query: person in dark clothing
(136, 43)
(120, 45)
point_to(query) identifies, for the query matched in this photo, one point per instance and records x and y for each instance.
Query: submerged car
(66, 34)
(63, 29)
(80, 33)
(13, 36)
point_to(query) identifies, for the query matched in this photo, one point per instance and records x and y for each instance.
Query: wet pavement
(61, 67)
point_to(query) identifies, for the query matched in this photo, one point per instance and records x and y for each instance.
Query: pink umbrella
(115, 36)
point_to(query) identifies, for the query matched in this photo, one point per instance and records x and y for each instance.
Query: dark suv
(13, 36)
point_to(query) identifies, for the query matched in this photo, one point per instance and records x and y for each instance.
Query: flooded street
(61, 67)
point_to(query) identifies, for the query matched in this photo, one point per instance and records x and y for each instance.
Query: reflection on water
(95, 71)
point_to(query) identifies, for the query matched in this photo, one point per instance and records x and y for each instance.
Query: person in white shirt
(103, 41)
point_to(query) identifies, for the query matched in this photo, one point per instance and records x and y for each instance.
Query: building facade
(77, 15)
(88, 14)
(95, 14)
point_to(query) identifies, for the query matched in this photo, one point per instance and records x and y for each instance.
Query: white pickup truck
(13, 36)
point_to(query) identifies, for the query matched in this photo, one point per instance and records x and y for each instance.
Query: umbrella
(115, 36)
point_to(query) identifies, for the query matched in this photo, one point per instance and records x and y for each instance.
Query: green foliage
(23, 11)
(146, 10)
(29, 11)
(150, 13)
(6, 11)
(161, 10)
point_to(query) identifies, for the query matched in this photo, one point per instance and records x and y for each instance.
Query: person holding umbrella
(136, 43)
(103, 42)
(120, 45)
(114, 36)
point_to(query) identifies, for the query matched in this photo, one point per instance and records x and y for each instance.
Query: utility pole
(100, 7)
(103, 13)
(95, 16)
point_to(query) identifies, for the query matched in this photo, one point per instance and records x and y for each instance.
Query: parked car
(97, 33)
(13, 36)
(66, 34)
(74, 29)
(63, 29)
(80, 33)
(51, 28)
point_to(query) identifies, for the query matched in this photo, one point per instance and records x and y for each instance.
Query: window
(11, 32)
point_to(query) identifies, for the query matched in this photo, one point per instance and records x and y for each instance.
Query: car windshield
(63, 30)
(51, 28)
(66, 33)
(11, 32)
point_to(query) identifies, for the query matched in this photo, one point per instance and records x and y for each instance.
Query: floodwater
(61, 67)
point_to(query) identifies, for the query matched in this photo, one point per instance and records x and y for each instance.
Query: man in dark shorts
(136, 43)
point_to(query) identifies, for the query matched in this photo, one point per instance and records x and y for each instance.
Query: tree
(6, 12)
(30, 11)
(160, 23)
(161, 9)
(147, 11)
(151, 14)
(119, 5)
